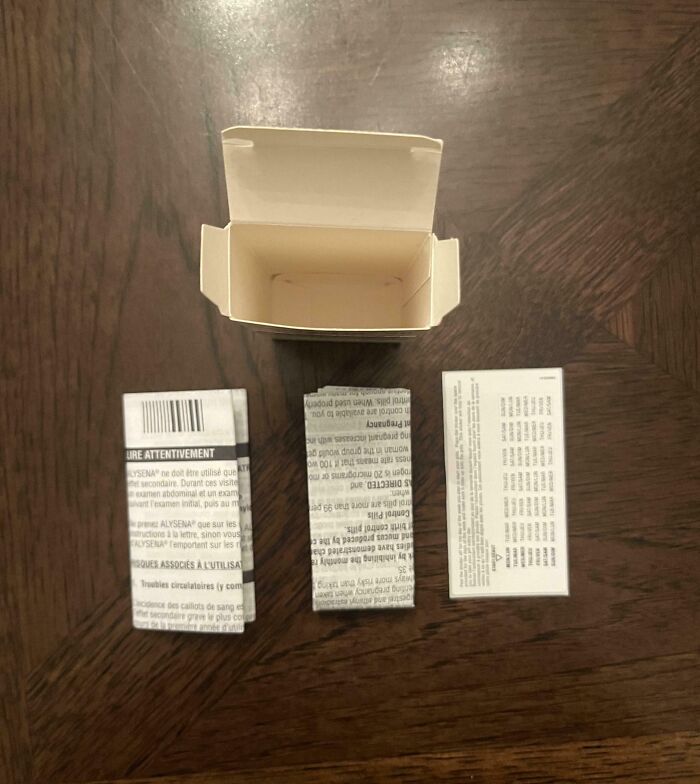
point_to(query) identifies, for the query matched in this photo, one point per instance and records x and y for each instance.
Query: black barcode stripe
(184, 415)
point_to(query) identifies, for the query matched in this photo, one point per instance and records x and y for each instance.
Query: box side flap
(214, 266)
(446, 281)
(331, 178)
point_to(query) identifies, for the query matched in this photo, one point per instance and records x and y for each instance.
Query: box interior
(299, 276)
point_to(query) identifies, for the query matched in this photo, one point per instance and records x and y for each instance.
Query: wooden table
(570, 176)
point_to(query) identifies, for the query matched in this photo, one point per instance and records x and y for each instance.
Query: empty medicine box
(330, 235)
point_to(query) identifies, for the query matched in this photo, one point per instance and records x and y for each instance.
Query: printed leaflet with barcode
(189, 503)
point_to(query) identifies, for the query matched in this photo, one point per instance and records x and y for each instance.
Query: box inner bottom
(341, 301)
(330, 278)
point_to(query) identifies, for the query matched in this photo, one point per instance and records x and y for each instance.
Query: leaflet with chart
(506, 498)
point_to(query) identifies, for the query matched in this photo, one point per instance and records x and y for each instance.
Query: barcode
(172, 416)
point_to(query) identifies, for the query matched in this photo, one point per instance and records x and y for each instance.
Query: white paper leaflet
(358, 446)
(189, 505)
(506, 495)
(240, 417)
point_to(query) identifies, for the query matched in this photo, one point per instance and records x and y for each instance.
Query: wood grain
(663, 319)
(570, 175)
(672, 757)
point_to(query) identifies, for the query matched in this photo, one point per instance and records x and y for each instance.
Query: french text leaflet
(189, 510)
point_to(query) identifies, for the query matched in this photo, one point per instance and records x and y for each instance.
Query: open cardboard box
(330, 235)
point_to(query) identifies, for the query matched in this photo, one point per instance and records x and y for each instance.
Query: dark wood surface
(571, 175)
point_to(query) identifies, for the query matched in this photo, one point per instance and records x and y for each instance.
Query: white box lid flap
(331, 178)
